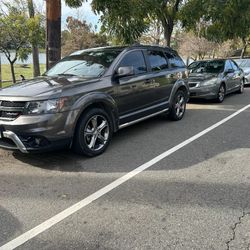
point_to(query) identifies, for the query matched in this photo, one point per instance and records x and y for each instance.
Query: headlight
(210, 82)
(45, 107)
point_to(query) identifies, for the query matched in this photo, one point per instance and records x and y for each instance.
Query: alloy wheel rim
(222, 93)
(180, 106)
(96, 132)
(242, 86)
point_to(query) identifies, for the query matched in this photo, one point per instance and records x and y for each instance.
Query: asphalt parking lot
(197, 197)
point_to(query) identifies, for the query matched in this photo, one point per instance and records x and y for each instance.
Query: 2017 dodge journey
(89, 95)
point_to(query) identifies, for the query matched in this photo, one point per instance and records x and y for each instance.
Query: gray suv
(89, 95)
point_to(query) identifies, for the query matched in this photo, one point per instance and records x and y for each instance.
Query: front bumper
(37, 133)
(204, 92)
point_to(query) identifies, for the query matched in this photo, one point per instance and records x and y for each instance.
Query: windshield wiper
(65, 74)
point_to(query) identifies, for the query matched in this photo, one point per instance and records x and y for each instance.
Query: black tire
(241, 89)
(221, 93)
(178, 107)
(90, 139)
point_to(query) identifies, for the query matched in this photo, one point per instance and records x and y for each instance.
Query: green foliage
(18, 31)
(74, 3)
(79, 35)
(14, 34)
(227, 19)
(124, 20)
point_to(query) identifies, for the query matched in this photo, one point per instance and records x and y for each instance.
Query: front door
(134, 93)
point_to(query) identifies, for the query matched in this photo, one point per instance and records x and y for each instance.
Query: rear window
(157, 60)
(174, 60)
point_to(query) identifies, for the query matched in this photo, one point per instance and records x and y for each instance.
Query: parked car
(213, 79)
(245, 65)
(87, 96)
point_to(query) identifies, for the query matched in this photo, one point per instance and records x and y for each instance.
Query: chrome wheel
(180, 105)
(96, 132)
(241, 86)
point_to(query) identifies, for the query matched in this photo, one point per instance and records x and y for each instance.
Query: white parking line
(83, 203)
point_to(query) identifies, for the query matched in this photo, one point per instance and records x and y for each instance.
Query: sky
(85, 12)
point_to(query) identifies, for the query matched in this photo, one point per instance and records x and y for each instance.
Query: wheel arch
(179, 85)
(97, 100)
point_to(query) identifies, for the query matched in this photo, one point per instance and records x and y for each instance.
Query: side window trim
(149, 64)
(127, 53)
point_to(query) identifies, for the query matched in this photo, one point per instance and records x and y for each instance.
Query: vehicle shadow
(9, 225)
(135, 145)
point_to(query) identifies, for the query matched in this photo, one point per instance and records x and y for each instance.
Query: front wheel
(241, 89)
(221, 93)
(93, 133)
(178, 106)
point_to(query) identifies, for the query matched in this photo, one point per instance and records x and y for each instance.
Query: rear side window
(135, 59)
(235, 66)
(174, 60)
(228, 65)
(157, 60)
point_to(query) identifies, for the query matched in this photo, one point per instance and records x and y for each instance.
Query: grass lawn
(26, 70)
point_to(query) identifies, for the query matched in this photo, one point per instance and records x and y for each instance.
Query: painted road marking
(83, 203)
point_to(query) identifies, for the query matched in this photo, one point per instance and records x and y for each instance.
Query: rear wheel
(93, 133)
(178, 106)
(221, 93)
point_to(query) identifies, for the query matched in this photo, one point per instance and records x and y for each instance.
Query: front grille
(9, 111)
(12, 104)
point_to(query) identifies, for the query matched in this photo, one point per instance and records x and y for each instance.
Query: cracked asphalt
(197, 198)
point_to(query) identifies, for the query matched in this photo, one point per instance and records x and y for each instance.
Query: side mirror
(125, 71)
(229, 71)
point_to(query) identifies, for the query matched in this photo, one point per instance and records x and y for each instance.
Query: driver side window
(136, 60)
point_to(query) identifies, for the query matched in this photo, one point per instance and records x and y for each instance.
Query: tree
(79, 36)
(14, 36)
(128, 20)
(154, 34)
(167, 12)
(228, 19)
(195, 47)
(35, 51)
(53, 45)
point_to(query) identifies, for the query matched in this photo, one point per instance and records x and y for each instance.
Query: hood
(202, 76)
(246, 70)
(41, 88)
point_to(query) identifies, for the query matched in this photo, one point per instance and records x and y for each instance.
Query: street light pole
(53, 36)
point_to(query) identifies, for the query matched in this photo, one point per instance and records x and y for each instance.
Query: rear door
(237, 75)
(161, 76)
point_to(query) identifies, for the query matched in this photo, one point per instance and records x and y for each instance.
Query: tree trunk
(0, 74)
(53, 45)
(13, 72)
(243, 51)
(168, 30)
(158, 33)
(35, 51)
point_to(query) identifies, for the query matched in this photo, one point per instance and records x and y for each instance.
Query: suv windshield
(89, 64)
(207, 67)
